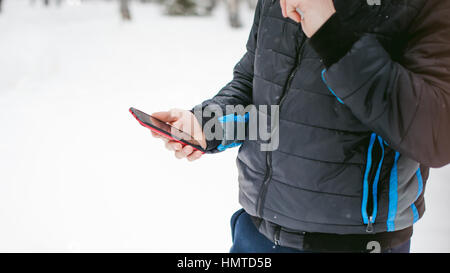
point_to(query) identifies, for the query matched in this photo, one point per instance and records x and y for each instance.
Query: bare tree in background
(233, 11)
(47, 2)
(205, 7)
(189, 7)
(125, 10)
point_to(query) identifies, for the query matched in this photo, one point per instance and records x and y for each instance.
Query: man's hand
(314, 13)
(186, 122)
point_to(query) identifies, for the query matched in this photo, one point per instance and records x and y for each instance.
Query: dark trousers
(247, 239)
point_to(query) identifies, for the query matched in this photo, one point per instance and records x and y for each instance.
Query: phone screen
(164, 128)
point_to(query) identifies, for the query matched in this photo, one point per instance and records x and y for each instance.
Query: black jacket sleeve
(406, 102)
(239, 90)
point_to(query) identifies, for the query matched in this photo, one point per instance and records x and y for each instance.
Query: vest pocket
(369, 204)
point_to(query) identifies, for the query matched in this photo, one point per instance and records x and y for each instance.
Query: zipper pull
(369, 228)
(277, 236)
(277, 242)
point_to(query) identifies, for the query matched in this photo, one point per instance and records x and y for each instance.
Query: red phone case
(162, 133)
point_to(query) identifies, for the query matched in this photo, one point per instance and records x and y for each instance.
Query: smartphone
(165, 129)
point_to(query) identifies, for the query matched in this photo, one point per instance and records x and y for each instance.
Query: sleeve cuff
(332, 41)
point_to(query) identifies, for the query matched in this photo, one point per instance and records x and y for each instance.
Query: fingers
(183, 151)
(185, 121)
(186, 151)
(194, 156)
(288, 9)
(173, 146)
(292, 13)
(179, 154)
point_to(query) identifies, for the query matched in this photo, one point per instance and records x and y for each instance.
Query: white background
(77, 172)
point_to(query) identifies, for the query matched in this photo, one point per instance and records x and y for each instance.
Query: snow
(77, 173)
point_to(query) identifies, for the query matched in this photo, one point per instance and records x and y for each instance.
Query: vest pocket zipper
(369, 208)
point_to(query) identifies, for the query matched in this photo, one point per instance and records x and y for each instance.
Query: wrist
(332, 41)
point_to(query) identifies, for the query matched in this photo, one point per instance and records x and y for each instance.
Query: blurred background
(78, 173)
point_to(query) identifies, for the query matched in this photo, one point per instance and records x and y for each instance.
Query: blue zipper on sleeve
(329, 88)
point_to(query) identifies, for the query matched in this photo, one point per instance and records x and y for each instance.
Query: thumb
(166, 116)
(292, 13)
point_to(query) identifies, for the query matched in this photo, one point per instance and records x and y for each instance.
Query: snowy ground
(77, 173)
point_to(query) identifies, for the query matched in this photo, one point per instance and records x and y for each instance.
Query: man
(363, 90)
